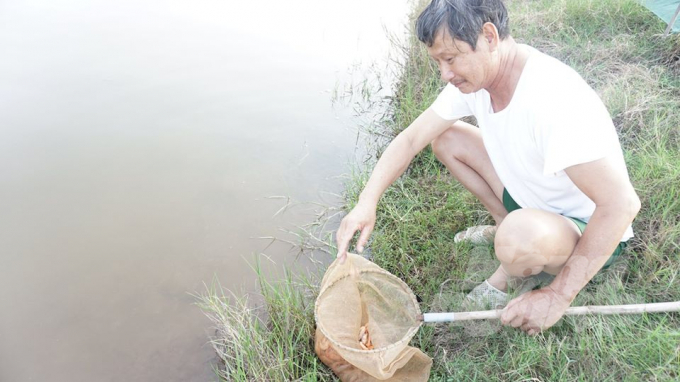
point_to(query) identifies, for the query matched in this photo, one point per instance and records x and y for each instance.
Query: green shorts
(511, 205)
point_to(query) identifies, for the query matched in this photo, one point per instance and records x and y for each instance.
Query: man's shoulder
(550, 81)
(549, 71)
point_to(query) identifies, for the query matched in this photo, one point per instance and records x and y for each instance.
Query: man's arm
(606, 183)
(391, 165)
(401, 151)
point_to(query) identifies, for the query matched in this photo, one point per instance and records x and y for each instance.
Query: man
(545, 161)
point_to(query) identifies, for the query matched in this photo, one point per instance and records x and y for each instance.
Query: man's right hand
(361, 218)
(392, 163)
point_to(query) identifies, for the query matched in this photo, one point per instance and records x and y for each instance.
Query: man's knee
(457, 141)
(529, 240)
(520, 243)
(447, 144)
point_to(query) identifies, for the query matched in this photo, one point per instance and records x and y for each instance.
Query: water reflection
(139, 141)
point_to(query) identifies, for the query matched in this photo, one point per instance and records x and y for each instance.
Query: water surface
(139, 143)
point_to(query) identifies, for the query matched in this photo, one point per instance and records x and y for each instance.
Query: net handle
(574, 311)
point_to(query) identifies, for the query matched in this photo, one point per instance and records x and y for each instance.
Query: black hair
(463, 18)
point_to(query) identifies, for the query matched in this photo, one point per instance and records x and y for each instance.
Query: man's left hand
(535, 311)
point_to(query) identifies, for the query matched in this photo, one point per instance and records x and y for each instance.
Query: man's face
(459, 65)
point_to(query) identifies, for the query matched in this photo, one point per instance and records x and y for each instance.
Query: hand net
(359, 293)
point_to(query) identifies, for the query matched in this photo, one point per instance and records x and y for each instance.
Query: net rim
(407, 337)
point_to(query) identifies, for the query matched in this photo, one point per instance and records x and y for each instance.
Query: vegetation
(618, 48)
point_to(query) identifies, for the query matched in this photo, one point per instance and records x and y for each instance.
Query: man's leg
(529, 241)
(461, 150)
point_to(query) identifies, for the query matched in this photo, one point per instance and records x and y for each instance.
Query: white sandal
(486, 294)
(481, 234)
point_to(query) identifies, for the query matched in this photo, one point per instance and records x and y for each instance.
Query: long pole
(573, 311)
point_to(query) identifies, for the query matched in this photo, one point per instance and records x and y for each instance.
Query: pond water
(143, 149)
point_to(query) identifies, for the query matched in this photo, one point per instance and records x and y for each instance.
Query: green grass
(270, 339)
(618, 48)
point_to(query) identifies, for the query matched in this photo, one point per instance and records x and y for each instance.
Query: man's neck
(512, 58)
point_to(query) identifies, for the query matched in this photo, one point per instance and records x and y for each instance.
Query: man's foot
(477, 235)
(487, 295)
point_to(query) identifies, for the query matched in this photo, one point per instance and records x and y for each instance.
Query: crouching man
(545, 160)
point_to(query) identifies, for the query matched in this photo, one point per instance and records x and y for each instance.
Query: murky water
(140, 142)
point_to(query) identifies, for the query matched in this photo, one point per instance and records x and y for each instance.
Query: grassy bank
(618, 48)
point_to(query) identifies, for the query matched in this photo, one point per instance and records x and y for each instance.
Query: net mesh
(359, 293)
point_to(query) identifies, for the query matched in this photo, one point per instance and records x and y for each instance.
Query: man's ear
(490, 35)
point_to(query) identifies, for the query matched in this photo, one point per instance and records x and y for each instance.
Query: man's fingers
(363, 238)
(517, 322)
(343, 237)
(515, 301)
(512, 317)
(506, 316)
(342, 247)
(509, 312)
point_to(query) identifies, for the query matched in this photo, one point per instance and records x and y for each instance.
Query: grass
(618, 48)
(271, 342)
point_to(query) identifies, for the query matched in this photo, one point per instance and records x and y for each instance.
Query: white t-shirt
(554, 121)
